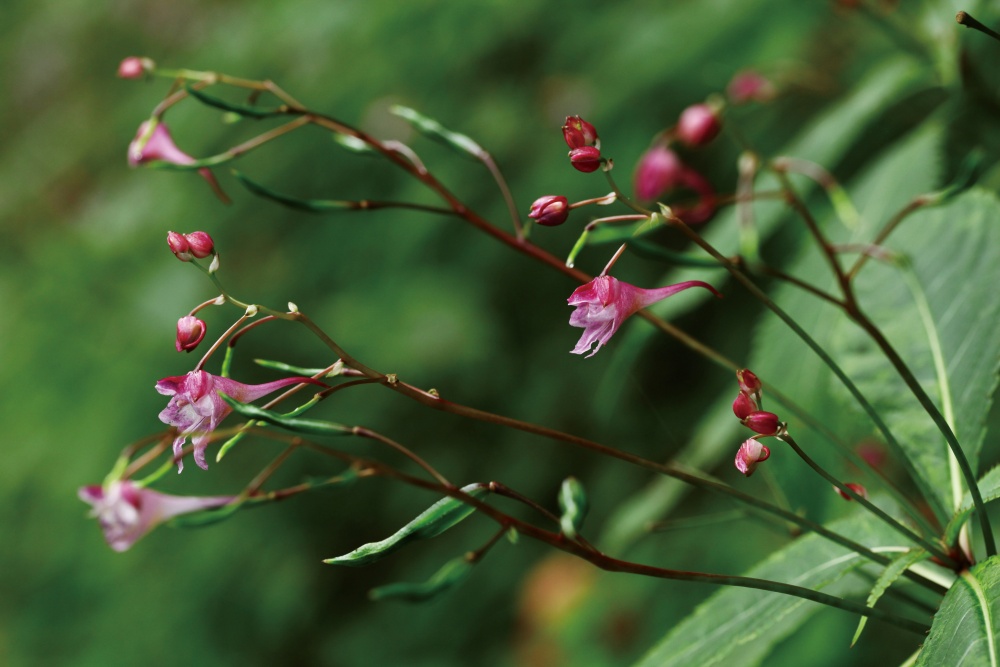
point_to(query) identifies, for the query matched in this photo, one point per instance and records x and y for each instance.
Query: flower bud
(585, 159)
(659, 171)
(749, 382)
(750, 454)
(133, 67)
(744, 406)
(749, 86)
(856, 488)
(579, 133)
(765, 423)
(201, 244)
(180, 246)
(551, 210)
(190, 331)
(698, 125)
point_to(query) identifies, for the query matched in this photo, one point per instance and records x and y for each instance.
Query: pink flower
(126, 511)
(605, 302)
(197, 409)
(134, 67)
(157, 144)
(190, 331)
(750, 454)
(550, 210)
(659, 171)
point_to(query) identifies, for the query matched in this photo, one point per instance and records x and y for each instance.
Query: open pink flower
(197, 409)
(749, 455)
(605, 302)
(149, 146)
(126, 511)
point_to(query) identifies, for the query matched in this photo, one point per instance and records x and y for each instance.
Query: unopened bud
(585, 159)
(201, 244)
(133, 67)
(744, 406)
(698, 125)
(659, 171)
(180, 246)
(579, 133)
(765, 423)
(749, 86)
(749, 382)
(856, 488)
(750, 454)
(190, 331)
(551, 210)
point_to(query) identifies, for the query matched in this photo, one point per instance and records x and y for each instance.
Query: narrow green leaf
(241, 109)
(294, 370)
(450, 574)
(309, 426)
(311, 205)
(989, 486)
(433, 521)
(892, 572)
(574, 506)
(435, 130)
(353, 144)
(965, 628)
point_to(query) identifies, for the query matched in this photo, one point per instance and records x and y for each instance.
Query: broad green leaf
(989, 486)
(892, 572)
(954, 252)
(450, 574)
(965, 628)
(738, 627)
(433, 521)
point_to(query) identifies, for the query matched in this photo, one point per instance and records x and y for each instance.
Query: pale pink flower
(190, 332)
(126, 511)
(197, 409)
(157, 144)
(749, 455)
(605, 302)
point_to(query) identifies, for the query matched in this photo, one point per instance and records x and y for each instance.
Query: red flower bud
(659, 171)
(698, 125)
(190, 331)
(133, 67)
(579, 133)
(749, 455)
(856, 488)
(201, 244)
(180, 246)
(765, 423)
(743, 406)
(551, 210)
(585, 159)
(749, 383)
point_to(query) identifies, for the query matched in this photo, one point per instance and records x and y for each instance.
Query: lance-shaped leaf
(241, 109)
(450, 574)
(311, 205)
(892, 572)
(433, 521)
(574, 506)
(435, 130)
(965, 629)
(298, 425)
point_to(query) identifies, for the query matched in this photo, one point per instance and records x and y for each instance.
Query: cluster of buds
(746, 407)
(584, 144)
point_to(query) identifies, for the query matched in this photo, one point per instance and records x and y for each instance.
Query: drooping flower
(190, 332)
(126, 511)
(550, 210)
(605, 302)
(151, 144)
(197, 409)
(749, 455)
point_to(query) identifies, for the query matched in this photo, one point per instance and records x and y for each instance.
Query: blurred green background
(91, 296)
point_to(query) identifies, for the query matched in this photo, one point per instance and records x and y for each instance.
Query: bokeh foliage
(91, 297)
